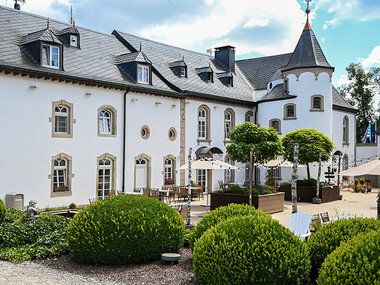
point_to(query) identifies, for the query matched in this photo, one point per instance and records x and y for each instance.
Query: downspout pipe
(124, 136)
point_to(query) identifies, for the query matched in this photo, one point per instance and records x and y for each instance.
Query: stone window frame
(286, 113)
(113, 112)
(279, 124)
(72, 121)
(248, 113)
(113, 169)
(346, 136)
(207, 138)
(149, 169)
(312, 109)
(172, 157)
(147, 130)
(70, 175)
(227, 157)
(174, 132)
(232, 112)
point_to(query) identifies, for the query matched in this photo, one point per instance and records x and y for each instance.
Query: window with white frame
(202, 178)
(169, 171)
(276, 172)
(249, 117)
(345, 130)
(105, 169)
(61, 119)
(105, 122)
(258, 179)
(60, 175)
(143, 74)
(183, 71)
(202, 123)
(74, 40)
(227, 123)
(229, 173)
(50, 56)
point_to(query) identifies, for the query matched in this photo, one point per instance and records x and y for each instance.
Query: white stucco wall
(27, 145)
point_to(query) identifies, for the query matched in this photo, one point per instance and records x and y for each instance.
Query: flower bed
(270, 203)
(307, 193)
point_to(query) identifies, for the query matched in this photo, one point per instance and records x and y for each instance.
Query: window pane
(45, 55)
(139, 74)
(54, 56)
(290, 111)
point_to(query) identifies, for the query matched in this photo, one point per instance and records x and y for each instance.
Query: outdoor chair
(137, 190)
(176, 192)
(183, 193)
(146, 192)
(299, 224)
(325, 218)
(154, 193)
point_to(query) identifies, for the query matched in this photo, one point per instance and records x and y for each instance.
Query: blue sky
(348, 30)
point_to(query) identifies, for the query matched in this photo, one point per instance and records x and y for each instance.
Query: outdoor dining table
(164, 192)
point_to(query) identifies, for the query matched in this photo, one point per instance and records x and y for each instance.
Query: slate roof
(131, 57)
(94, 61)
(69, 30)
(203, 69)
(308, 53)
(340, 103)
(277, 93)
(162, 54)
(259, 71)
(45, 35)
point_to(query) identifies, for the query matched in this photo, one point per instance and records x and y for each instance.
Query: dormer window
(183, 71)
(210, 77)
(227, 78)
(74, 40)
(205, 73)
(143, 74)
(230, 82)
(50, 56)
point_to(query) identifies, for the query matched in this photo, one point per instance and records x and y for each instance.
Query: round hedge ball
(356, 261)
(331, 235)
(125, 229)
(250, 250)
(221, 214)
(3, 211)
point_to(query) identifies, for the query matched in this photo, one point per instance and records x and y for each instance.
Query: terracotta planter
(307, 193)
(270, 203)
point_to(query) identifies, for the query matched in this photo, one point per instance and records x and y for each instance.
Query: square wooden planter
(307, 193)
(270, 203)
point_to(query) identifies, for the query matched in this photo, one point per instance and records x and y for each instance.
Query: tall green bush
(3, 211)
(356, 261)
(331, 235)
(221, 214)
(125, 229)
(250, 250)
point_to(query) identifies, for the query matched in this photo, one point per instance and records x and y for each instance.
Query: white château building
(86, 112)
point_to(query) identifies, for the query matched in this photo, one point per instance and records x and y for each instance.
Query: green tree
(311, 143)
(360, 92)
(253, 143)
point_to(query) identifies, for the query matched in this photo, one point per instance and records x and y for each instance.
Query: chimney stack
(225, 56)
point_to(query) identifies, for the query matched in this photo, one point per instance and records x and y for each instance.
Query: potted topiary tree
(313, 147)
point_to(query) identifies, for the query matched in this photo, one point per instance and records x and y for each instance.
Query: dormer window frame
(230, 81)
(210, 77)
(76, 40)
(143, 67)
(50, 54)
(184, 71)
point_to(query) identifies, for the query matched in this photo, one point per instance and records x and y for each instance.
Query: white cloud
(343, 80)
(224, 19)
(351, 10)
(373, 59)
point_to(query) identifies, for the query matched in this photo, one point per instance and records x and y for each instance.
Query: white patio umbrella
(369, 168)
(209, 164)
(278, 163)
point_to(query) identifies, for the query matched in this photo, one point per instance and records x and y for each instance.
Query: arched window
(203, 123)
(345, 162)
(169, 170)
(142, 171)
(345, 130)
(276, 124)
(62, 119)
(107, 121)
(249, 116)
(106, 175)
(290, 112)
(61, 175)
(229, 174)
(229, 122)
(317, 103)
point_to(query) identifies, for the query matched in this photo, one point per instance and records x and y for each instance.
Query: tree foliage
(360, 93)
(265, 143)
(311, 143)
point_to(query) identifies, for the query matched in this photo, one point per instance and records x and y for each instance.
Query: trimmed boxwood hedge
(331, 235)
(356, 261)
(125, 229)
(3, 211)
(250, 250)
(221, 214)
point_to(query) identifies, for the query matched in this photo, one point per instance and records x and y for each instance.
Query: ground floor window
(202, 178)
(169, 170)
(229, 174)
(61, 175)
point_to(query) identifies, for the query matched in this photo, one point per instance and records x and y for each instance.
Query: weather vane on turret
(307, 25)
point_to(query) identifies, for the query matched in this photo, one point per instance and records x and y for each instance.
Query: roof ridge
(281, 54)
(168, 45)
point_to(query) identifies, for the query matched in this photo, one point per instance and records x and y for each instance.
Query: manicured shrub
(331, 235)
(356, 261)
(221, 214)
(45, 236)
(250, 250)
(72, 206)
(125, 229)
(307, 182)
(3, 211)
(235, 189)
(14, 215)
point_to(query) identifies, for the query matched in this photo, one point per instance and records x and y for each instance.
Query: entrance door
(141, 173)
